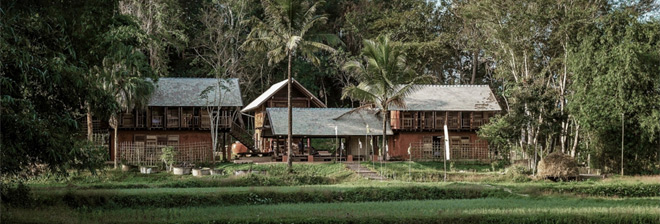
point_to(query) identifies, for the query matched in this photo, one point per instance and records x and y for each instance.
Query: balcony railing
(407, 123)
(428, 123)
(453, 122)
(466, 122)
(156, 121)
(172, 121)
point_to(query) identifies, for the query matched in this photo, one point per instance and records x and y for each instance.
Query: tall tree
(162, 23)
(528, 42)
(124, 73)
(216, 48)
(385, 79)
(617, 76)
(47, 51)
(284, 33)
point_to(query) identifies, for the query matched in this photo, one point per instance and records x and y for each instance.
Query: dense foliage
(564, 71)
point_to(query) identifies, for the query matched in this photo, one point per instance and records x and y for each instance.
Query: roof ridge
(312, 108)
(443, 85)
(191, 78)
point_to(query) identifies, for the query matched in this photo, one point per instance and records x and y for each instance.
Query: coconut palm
(385, 79)
(284, 33)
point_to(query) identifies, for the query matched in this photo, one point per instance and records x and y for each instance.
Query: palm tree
(385, 79)
(124, 76)
(285, 34)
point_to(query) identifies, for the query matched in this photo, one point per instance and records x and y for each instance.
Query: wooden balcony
(435, 120)
(127, 120)
(172, 121)
(173, 118)
(157, 121)
(466, 122)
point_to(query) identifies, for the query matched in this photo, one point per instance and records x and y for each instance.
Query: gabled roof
(321, 122)
(451, 98)
(274, 89)
(187, 92)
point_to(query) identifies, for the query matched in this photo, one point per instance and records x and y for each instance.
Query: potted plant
(148, 169)
(201, 170)
(168, 157)
(216, 171)
(125, 166)
(181, 169)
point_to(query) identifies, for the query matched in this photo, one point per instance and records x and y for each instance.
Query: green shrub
(518, 173)
(116, 199)
(618, 190)
(17, 196)
(499, 165)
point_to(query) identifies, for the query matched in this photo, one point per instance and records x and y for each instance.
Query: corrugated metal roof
(186, 92)
(272, 90)
(451, 98)
(321, 122)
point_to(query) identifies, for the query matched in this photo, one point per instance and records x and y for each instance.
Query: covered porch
(349, 135)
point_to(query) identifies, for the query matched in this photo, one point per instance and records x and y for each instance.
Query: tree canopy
(567, 73)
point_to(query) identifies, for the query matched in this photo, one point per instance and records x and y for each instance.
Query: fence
(435, 151)
(136, 153)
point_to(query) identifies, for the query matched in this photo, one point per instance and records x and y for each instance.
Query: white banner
(446, 143)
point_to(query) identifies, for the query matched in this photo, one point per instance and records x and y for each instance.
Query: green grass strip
(489, 210)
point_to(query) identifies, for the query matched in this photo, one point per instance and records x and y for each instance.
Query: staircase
(242, 135)
(364, 172)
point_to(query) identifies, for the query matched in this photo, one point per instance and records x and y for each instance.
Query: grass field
(330, 193)
(518, 210)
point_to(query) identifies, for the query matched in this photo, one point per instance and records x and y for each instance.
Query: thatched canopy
(557, 165)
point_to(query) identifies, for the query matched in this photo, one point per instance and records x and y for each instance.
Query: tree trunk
(90, 125)
(115, 124)
(575, 140)
(382, 147)
(475, 64)
(290, 125)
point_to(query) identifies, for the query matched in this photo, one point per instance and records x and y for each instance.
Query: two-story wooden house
(274, 97)
(178, 114)
(420, 124)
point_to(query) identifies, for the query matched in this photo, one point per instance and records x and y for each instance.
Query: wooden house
(276, 97)
(178, 114)
(419, 125)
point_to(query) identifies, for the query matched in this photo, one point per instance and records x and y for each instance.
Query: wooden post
(225, 152)
(471, 120)
(622, 134)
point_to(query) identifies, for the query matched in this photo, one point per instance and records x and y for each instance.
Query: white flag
(446, 143)
(335, 130)
(409, 146)
(367, 128)
(360, 142)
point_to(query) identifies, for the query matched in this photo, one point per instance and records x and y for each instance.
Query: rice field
(513, 210)
(329, 193)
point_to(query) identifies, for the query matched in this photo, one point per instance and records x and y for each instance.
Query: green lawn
(509, 210)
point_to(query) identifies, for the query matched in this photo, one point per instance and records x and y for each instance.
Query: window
(162, 140)
(173, 140)
(151, 140)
